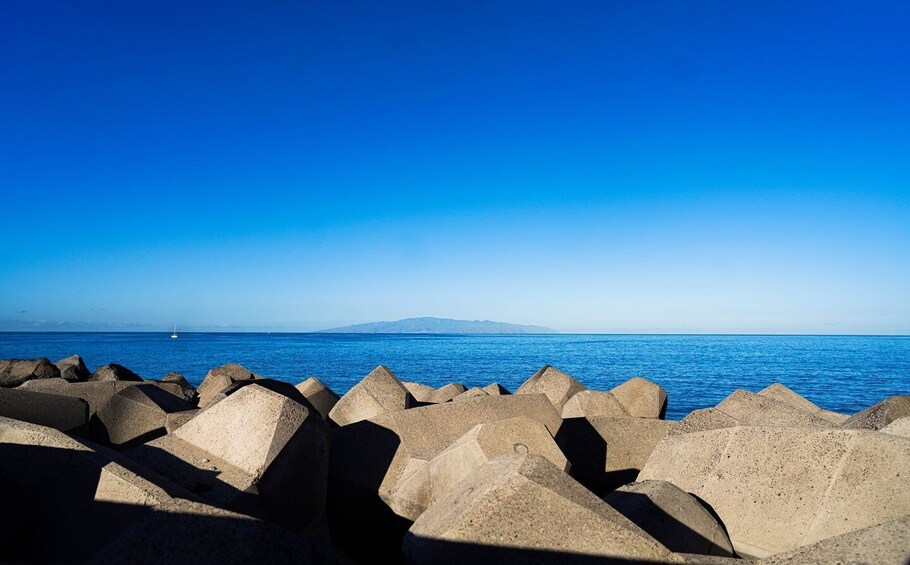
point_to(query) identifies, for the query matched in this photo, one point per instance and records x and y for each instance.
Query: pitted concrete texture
(62, 413)
(496, 389)
(779, 392)
(65, 485)
(73, 369)
(899, 427)
(377, 393)
(187, 391)
(527, 503)
(776, 489)
(556, 385)
(672, 516)
(257, 452)
(703, 420)
(96, 393)
(750, 409)
(114, 372)
(425, 483)
(14, 372)
(589, 403)
(630, 440)
(135, 414)
(220, 378)
(429, 395)
(642, 398)
(470, 393)
(319, 395)
(884, 544)
(879, 415)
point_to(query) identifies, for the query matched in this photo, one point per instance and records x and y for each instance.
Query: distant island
(439, 326)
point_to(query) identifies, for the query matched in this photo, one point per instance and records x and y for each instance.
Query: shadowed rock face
(424, 482)
(134, 415)
(672, 516)
(642, 398)
(14, 372)
(188, 391)
(807, 484)
(319, 395)
(220, 378)
(495, 389)
(114, 372)
(73, 369)
(879, 415)
(378, 393)
(556, 385)
(62, 413)
(524, 502)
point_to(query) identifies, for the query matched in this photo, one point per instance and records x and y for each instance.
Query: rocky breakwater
(108, 466)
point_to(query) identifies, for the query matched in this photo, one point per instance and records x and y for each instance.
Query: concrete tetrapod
(98, 393)
(672, 516)
(257, 452)
(556, 385)
(319, 395)
(496, 389)
(778, 391)
(14, 372)
(188, 390)
(220, 378)
(418, 489)
(775, 406)
(377, 393)
(899, 427)
(114, 372)
(63, 413)
(776, 489)
(134, 415)
(642, 398)
(522, 508)
(73, 369)
(62, 499)
(589, 403)
(879, 415)
(470, 393)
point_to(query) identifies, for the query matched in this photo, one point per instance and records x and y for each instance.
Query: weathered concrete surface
(524, 502)
(114, 372)
(779, 392)
(473, 392)
(429, 395)
(703, 420)
(556, 385)
(671, 516)
(257, 452)
(588, 403)
(174, 420)
(62, 413)
(220, 378)
(135, 414)
(377, 393)
(879, 415)
(96, 393)
(776, 489)
(418, 489)
(630, 440)
(899, 427)
(53, 487)
(281, 387)
(418, 390)
(368, 458)
(14, 372)
(642, 398)
(884, 544)
(182, 531)
(319, 395)
(496, 389)
(744, 408)
(187, 391)
(73, 369)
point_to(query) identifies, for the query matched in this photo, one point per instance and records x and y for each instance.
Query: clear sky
(588, 166)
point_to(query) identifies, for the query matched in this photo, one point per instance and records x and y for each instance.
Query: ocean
(840, 373)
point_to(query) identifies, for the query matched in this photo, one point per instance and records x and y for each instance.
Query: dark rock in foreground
(14, 372)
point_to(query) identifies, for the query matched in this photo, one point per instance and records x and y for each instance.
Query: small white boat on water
(174, 335)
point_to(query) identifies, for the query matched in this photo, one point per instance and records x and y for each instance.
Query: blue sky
(592, 166)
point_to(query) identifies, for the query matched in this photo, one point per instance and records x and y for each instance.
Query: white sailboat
(174, 335)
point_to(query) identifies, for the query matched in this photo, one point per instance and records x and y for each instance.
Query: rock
(369, 457)
(445, 393)
(496, 389)
(220, 378)
(750, 409)
(418, 390)
(281, 387)
(702, 420)
(776, 489)
(54, 487)
(642, 398)
(114, 372)
(134, 415)
(378, 393)
(593, 403)
(884, 544)
(73, 369)
(526, 504)
(879, 415)
(319, 395)
(419, 489)
(556, 385)
(672, 517)
(173, 420)
(206, 534)
(14, 372)
(470, 393)
(96, 393)
(62, 413)
(187, 390)
(899, 427)
(267, 457)
(779, 392)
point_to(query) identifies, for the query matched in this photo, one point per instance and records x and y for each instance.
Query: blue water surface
(841, 373)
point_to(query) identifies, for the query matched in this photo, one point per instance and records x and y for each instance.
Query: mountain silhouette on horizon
(428, 325)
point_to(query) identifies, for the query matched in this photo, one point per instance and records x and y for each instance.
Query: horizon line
(502, 334)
